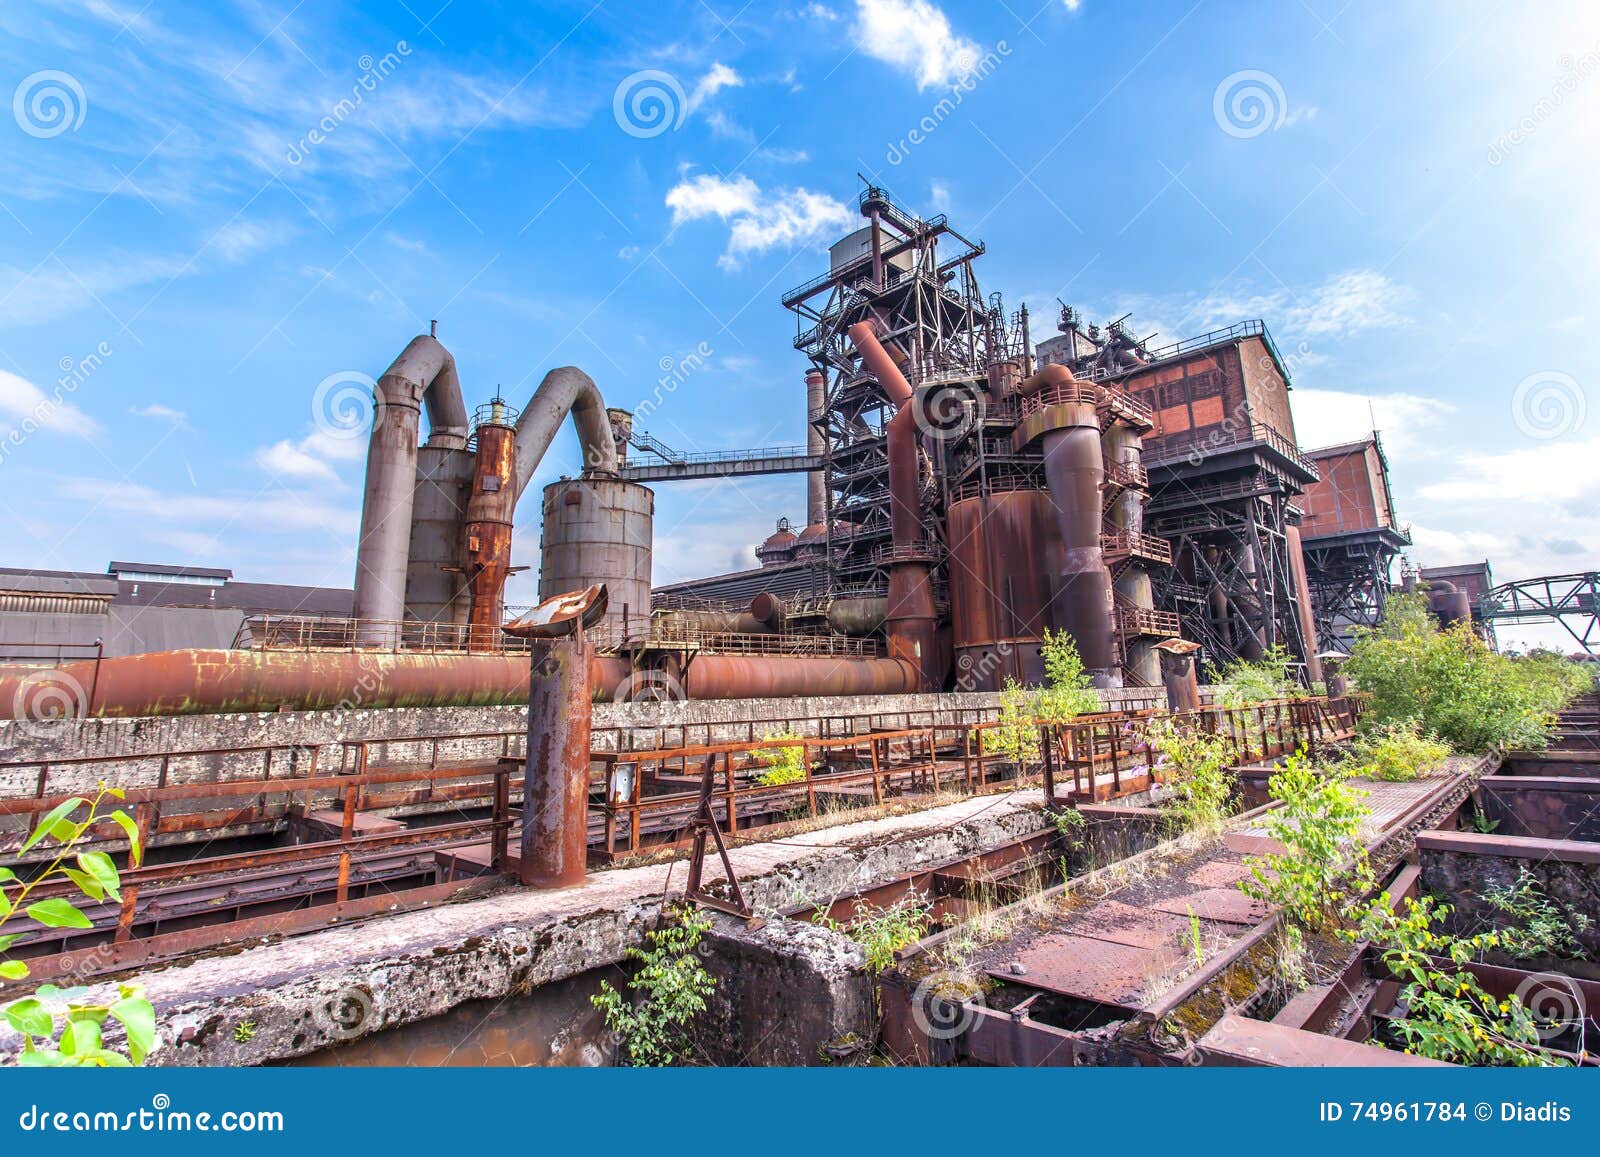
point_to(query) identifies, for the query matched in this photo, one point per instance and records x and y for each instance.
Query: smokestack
(816, 481)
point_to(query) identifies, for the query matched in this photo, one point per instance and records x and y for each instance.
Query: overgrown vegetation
(1449, 1017)
(1395, 752)
(1016, 737)
(1538, 928)
(1324, 864)
(1201, 762)
(883, 931)
(1068, 691)
(784, 764)
(1243, 683)
(51, 1010)
(667, 991)
(1454, 686)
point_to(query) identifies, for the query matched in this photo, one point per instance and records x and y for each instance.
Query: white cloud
(915, 37)
(1435, 546)
(273, 509)
(939, 196)
(160, 412)
(713, 82)
(757, 221)
(1554, 472)
(315, 457)
(24, 406)
(1329, 417)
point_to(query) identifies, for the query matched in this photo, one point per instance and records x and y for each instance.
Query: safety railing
(311, 633)
(1126, 544)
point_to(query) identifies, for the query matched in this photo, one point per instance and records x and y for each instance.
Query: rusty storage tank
(1003, 552)
(812, 543)
(435, 592)
(598, 530)
(779, 545)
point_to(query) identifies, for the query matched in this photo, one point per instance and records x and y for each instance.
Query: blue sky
(209, 210)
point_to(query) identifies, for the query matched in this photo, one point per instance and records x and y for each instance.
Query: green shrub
(1395, 752)
(1204, 781)
(1068, 689)
(1017, 736)
(1242, 683)
(1454, 686)
(881, 932)
(1449, 1017)
(1324, 863)
(1538, 927)
(667, 992)
(784, 764)
(96, 878)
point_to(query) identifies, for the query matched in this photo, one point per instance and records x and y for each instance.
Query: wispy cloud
(24, 406)
(915, 37)
(757, 220)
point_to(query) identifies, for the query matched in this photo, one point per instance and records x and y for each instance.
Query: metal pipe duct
(201, 682)
(711, 623)
(857, 616)
(910, 619)
(424, 373)
(782, 676)
(565, 389)
(816, 481)
(1068, 426)
(1302, 593)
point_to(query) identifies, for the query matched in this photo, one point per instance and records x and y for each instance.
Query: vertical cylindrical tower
(1122, 449)
(435, 592)
(598, 530)
(486, 551)
(816, 480)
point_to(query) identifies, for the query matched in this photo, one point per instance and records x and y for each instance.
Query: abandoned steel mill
(1002, 756)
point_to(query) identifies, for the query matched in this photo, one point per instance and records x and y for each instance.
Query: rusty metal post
(555, 792)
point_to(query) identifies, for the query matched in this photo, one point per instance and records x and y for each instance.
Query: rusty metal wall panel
(1004, 550)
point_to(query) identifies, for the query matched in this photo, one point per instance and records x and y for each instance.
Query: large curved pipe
(202, 682)
(1074, 470)
(911, 623)
(565, 389)
(424, 373)
(782, 676)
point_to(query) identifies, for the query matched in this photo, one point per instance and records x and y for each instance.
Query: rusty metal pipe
(1302, 595)
(555, 800)
(201, 682)
(1074, 469)
(564, 390)
(487, 537)
(816, 481)
(423, 374)
(782, 676)
(911, 622)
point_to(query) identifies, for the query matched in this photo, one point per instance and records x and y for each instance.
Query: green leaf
(12, 970)
(100, 866)
(125, 822)
(7, 875)
(29, 1017)
(40, 1059)
(5, 905)
(85, 883)
(58, 913)
(80, 1038)
(138, 1017)
(61, 810)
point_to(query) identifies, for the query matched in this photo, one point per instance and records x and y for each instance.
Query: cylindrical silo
(598, 530)
(435, 587)
(1003, 550)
